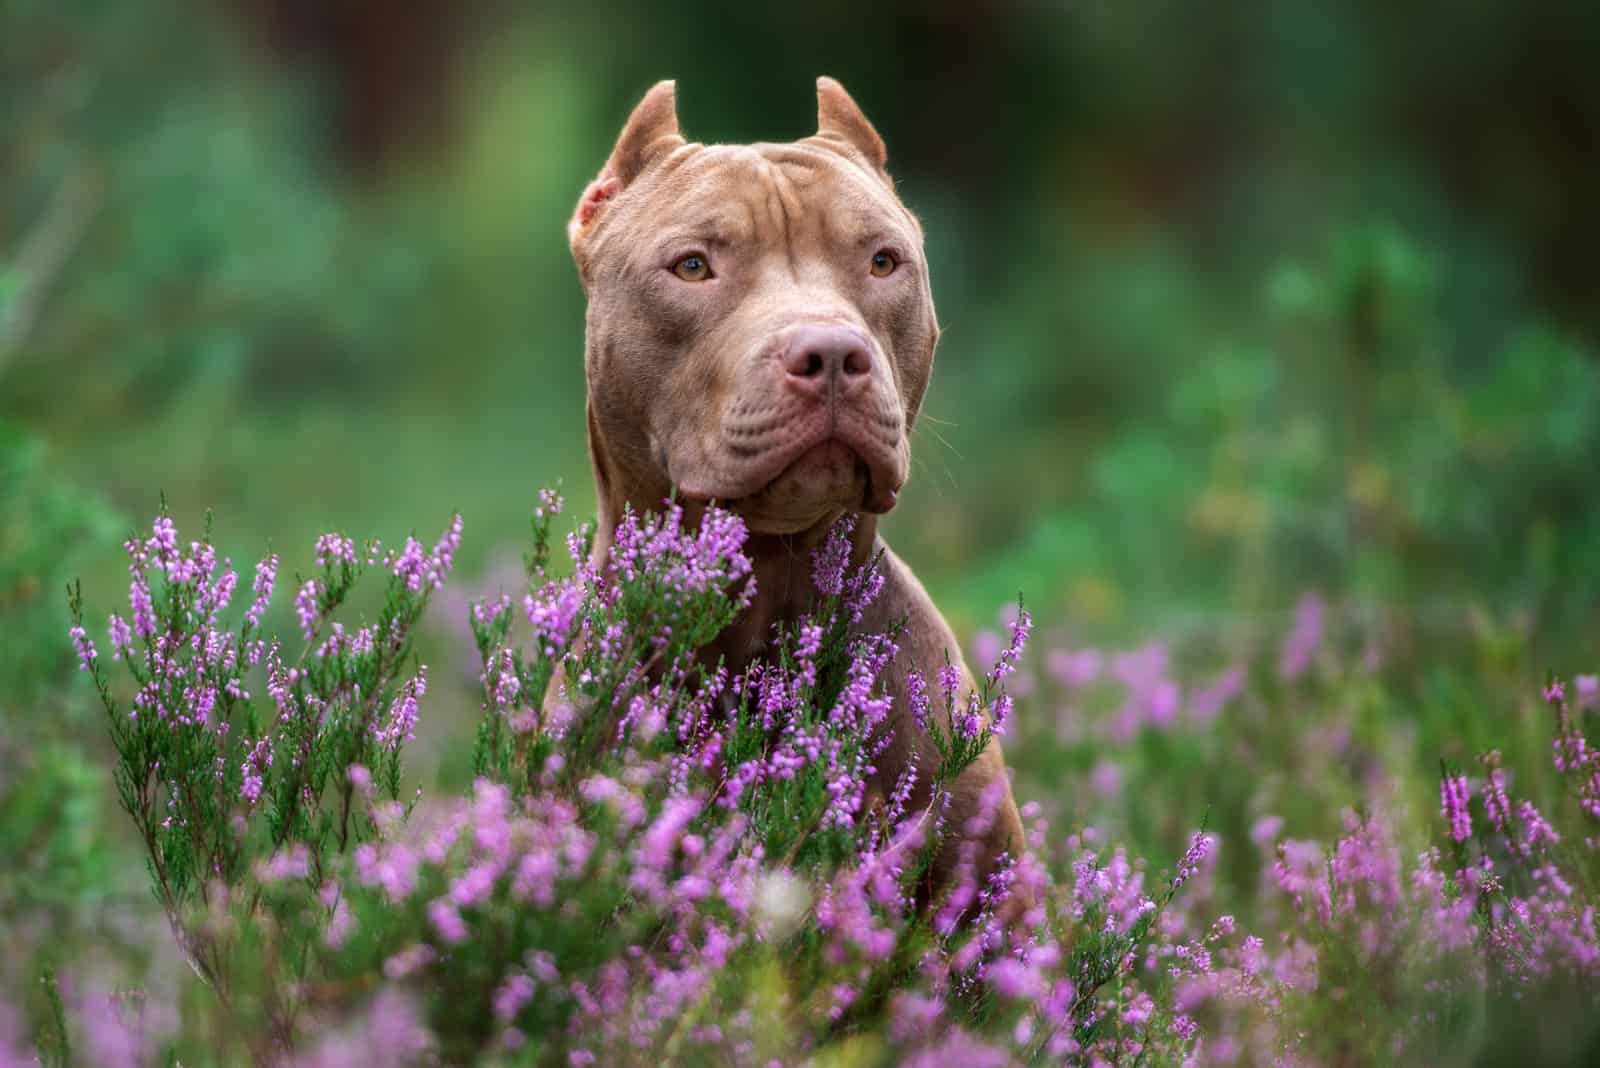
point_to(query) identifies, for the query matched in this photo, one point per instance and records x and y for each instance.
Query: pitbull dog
(760, 333)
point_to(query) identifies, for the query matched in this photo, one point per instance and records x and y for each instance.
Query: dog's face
(760, 327)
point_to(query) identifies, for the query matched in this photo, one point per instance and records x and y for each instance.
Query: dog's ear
(839, 118)
(650, 132)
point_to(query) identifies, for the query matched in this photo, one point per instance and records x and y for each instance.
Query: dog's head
(760, 327)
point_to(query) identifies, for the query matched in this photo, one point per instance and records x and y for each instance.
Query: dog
(760, 333)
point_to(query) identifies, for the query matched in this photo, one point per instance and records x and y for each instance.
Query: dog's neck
(782, 568)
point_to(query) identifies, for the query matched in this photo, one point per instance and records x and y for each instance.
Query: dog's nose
(818, 359)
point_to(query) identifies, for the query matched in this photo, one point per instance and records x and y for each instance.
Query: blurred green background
(1237, 301)
(1240, 301)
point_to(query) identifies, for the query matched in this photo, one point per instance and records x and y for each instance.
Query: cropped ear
(839, 118)
(650, 133)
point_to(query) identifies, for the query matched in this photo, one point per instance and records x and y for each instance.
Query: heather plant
(659, 857)
(663, 860)
(723, 825)
(1498, 911)
(224, 789)
(1384, 931)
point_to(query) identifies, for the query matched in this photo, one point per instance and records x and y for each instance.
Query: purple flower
(1304, 640)
(1011, 978)
(409, 962)
(216, 598)
(1006, 662)
(447, 921)
(254, 769)
(444, 553)
(913, 1015)
(502, 681)
(509, 998)
(1496, 801)
(1206, 703)
(333, 548)
(85, 647)
(140, 604)
(1000, 711)
(949, 682)
(1453, 795)
(390, 1031)
(394, 868)
(861, 589)
(266, 576)
(285, 865)
(410, 564)
(108, 1035)
(828, 563)
(1106, 779)
(1189, 864)
(163, 543)
(306, 607)
(1265, 832)
(1588, 690)
(969, 721)
(554, 612)
(1533, 829)
(1075, 670)
(917, 698)
(401, 723)
(121, 637)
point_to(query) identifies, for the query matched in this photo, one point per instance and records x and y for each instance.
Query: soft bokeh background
(1236, 300)
(1240, 301)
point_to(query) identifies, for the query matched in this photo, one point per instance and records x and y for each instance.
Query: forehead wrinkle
(867, 211)
(700, 215)
(785, 207)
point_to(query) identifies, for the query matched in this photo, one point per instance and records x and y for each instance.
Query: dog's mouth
(831, 471)
(792, 490)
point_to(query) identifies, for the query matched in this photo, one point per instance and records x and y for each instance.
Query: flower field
(658, 860)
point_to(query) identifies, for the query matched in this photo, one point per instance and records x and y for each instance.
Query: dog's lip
(878, 496)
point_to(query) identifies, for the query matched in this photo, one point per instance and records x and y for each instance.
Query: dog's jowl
(760, 333)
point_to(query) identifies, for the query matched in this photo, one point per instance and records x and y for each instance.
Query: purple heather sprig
(398, 727)
(1006, 663)
(85, 648)
(830, 560)
(1304, 640)
(1200, 844)
(1453, 797)
(307, 607)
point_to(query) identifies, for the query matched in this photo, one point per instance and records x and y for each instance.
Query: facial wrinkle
(785, 208)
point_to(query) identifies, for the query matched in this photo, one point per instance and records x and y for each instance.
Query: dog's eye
(883, 264)
(692, 268)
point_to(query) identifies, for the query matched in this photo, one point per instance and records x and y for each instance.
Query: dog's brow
(712, 233)
(878, 237)
(863, 228)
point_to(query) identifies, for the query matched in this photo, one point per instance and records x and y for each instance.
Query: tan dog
(760, 333)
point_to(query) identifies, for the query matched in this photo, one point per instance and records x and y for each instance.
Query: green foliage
(47, 528)
(1349, 449)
